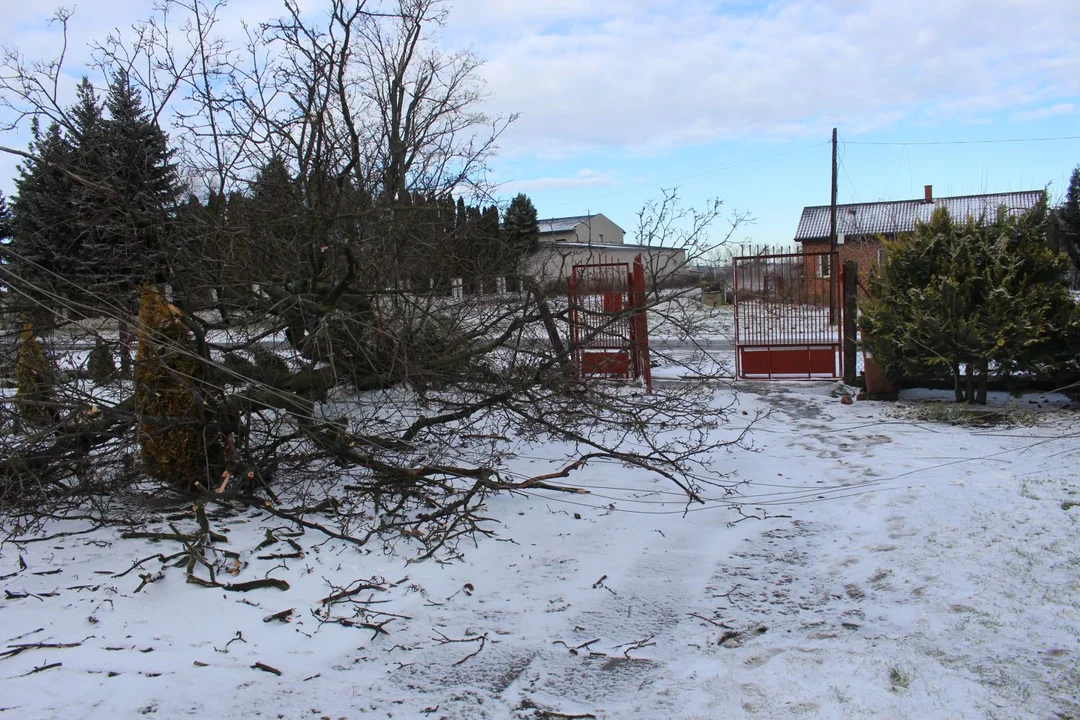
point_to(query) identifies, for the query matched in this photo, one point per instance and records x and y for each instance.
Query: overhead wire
(903, 143)
(686, 177)
(847, 175)
(964, 142)
(803, 495)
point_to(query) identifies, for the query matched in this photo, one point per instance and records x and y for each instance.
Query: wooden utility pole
(832, 236)
(832, 203)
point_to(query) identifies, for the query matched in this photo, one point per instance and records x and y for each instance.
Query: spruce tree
(1065, 224)
(87, 127)
(520, 232)
(5, 220)
(275, 218)
(144, 187)
(59, 208)
(88, 201)
(46, 247)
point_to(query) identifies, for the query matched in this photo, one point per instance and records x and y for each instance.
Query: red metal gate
(609, 332)
(788, 316)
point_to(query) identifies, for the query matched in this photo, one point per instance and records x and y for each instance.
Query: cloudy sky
(736, 99)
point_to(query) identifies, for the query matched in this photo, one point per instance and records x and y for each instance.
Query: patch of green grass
(899, 679)
(962, 414)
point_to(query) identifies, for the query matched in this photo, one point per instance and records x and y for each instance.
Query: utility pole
(833, 265)
(832, 204)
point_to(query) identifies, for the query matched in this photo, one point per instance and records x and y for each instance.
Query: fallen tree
(299, 346)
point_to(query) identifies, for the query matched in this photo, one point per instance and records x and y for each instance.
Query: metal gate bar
(608, 324)
(788, 316)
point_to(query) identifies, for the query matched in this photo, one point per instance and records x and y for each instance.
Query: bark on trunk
(126, 340)
(958, 392)
(984, 372)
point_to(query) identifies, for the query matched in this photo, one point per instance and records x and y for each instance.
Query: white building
(569, 241)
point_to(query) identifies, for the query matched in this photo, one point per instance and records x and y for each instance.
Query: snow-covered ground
(895, 567)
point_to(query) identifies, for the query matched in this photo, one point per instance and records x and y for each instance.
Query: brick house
(860, 227)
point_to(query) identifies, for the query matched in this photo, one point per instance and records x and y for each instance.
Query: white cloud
(644, 76)
(1045, 112)
(616, 75)
(584, 178)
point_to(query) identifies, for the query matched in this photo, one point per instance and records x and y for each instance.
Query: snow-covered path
(905, 570)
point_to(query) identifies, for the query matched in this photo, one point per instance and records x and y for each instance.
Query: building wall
(864, 250)
(554, 262)
(598, 229)
(565, 236)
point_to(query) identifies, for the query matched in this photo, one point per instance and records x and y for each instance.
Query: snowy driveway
(906, 570)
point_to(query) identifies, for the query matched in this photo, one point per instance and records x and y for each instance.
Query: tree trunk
(549, 324)
(984, 372)
(126, 338)
(969, 377)
(957, 390)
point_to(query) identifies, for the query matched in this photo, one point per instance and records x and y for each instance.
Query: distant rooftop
(901, 215)
(605, 246)
(565, 224)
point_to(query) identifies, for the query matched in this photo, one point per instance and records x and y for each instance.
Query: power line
(964, 142)
(854, 192)
(900, 143)
(688, 177)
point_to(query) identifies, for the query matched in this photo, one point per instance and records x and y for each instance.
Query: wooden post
(850, 277)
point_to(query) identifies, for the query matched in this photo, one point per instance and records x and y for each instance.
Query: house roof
(608, 246)
(901, 215)
(566, 224)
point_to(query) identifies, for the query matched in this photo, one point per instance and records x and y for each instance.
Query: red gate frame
(765, 354)
(600, 344)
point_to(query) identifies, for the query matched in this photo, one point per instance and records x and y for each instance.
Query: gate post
(639, 325)
(850, 278)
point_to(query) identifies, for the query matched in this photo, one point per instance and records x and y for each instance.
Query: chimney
(928, 193)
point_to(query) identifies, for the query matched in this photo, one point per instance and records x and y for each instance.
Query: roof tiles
(900, 216)
(558, 225)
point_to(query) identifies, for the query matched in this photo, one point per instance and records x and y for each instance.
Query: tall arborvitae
(458, 242)
(35, 395)
(472, 252)
(172, 428)
(442, 268)
(492, 261)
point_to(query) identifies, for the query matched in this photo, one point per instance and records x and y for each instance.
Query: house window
(825, 266)
(601, 237)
